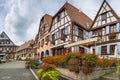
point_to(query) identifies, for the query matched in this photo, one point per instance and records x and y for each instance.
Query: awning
(82, 43)
(59, 45)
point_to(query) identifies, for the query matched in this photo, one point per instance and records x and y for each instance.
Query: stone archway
(42, 55)
(46, 53)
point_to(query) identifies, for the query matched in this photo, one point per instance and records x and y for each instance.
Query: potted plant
(73, 61)
(112, 36)
(89, 62)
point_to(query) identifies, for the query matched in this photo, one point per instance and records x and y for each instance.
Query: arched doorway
(42, 55)
(46, 53)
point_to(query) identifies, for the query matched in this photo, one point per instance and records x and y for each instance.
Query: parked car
(3, 60)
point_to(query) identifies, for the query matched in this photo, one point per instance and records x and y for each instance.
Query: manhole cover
(5, 77)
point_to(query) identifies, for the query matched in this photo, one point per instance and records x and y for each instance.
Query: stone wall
(81, 76)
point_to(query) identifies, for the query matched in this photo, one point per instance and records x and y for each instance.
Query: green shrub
(90, 59)
(48, 75)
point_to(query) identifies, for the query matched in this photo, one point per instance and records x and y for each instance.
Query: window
(76, 31)
(111, 29)
(2, 36)
(58, 18)
(53, 37)
(103, 16)
(103, 31)
(112, 49)
(104, 50)
(80, 33)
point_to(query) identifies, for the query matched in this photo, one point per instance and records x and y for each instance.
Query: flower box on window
(63, 36)
(53, 42)
(46, 42)
(112, 36)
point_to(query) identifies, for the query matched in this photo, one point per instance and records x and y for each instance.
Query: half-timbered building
(68, 26)
(7, 47)
(42, 42)
(104, 34)
(25, 50)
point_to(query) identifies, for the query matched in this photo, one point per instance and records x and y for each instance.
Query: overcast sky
(20, 18)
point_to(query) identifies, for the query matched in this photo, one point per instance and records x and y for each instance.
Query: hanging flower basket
(112, 36)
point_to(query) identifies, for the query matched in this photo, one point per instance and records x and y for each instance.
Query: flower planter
(53, 42)
(27, 65)
(63, 37)
(87, 69)
(73, 64)
(112, 36)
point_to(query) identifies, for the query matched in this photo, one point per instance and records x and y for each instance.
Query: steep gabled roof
(25, 45)
(76, 16)
(48, 19)
(99, 12)
(7, 37)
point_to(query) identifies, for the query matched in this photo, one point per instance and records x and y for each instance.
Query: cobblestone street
(15, 71)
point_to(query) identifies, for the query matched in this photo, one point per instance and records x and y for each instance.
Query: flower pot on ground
(27, 64)
(112, 36)
(89, 63)
(73, 64)
(87, 68)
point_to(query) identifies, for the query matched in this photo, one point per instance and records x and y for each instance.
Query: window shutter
(90, 34)
(99, 50)
(76, 31)
(118, 48)
(117, 27)
(84, 34)
(85, 50)
(107, 30)
(108, 49)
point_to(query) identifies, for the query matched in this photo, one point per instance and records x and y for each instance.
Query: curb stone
(33, 74)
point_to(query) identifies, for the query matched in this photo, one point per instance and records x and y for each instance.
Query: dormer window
(103, 16)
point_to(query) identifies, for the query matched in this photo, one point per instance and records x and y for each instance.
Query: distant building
(7, 47)
(42, 42)
(25, 50)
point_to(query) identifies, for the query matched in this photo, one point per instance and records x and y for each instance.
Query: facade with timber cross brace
(71, 30)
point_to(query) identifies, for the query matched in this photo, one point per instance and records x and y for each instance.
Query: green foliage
(48, 75)
(72, 55)
(90, 59)
(118, 69)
